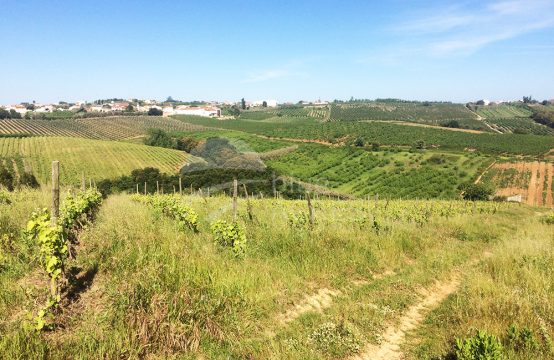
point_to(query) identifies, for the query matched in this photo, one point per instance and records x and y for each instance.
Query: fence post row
(235, 189)
(55, 192)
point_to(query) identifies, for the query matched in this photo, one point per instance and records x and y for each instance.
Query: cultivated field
(106, 128)
(97, 158)
(368, 280)
(503, 111)
(533, 181)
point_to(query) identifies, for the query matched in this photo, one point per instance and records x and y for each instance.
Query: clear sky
(285, 50)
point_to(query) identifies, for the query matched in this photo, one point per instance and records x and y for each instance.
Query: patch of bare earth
(394, 335)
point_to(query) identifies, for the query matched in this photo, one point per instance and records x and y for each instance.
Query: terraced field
(106, 128)
(99, 159)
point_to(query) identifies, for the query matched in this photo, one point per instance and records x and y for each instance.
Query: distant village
(114, 106)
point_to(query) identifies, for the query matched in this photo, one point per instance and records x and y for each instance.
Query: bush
(230, 235)
(548, 219)
(476, 191)
(482, 346)
(155, 112)
(158, 137)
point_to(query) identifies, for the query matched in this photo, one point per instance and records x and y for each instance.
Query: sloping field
(400, 111)
(106, 128)
(369, 280)
(503, 111)
(99, 159)
(531, 180)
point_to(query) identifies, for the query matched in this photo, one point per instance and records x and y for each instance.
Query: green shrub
(482, 346)
(230, 235)
(548, 219)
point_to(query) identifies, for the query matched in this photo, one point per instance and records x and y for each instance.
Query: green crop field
(387, 134)
(392, 174)
(106, 128)
(503, 111)
(142, 285)
(98, 159)
(400, 111)
(521, 125)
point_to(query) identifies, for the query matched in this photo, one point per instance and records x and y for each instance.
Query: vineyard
(503, 111)
(519, 125)
(176, 277)
(400, 111)
(106, 128)
(97, 158)
(388, 134)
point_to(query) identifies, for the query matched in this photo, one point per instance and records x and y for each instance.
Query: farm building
(208, 111)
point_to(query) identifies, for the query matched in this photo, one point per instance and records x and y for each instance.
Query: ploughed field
(365, 279)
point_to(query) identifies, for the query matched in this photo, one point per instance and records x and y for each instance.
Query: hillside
(104, 128)
(403, 278)
(96, 158)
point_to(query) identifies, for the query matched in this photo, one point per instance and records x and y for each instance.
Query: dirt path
(394, 335)
(323, 299)
(485, 171)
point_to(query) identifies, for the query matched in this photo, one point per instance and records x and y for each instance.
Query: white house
(208, 111)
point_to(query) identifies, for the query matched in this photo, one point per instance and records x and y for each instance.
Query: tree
(476, 191)
(375, 146)
(170, 99)
(158, 137)
(155, 112)
(419, 144)
(452, 124)
(243, 104)
(4, 114)
(234, 111)
(264, 103)
(129, 108)
(359, 142)
(186, 144)
(30, 107)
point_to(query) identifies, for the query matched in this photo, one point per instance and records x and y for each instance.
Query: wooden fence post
(274, 184)
(310, 209)
(137, 189)
(180, 185)
(157, 187)
(235, 189)
(55, 192)
(145, 188)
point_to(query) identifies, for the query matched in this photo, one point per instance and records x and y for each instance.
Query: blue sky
(284, 50)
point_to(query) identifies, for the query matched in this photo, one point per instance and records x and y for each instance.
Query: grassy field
(368, 277)
(97, 158)
(106, 128)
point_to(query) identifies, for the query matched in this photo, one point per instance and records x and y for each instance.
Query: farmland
(533, 181)
(98, 159)
(337, 289)
(521, 125)
(386, 134)
(503, 111)
(105, 128)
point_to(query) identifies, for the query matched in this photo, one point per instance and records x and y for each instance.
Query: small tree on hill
(155, 112)
(243, 104)
(264, 103)
(419, 145)
(476, 191)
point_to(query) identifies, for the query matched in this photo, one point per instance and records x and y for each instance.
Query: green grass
(98, 159)
(162, 293)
